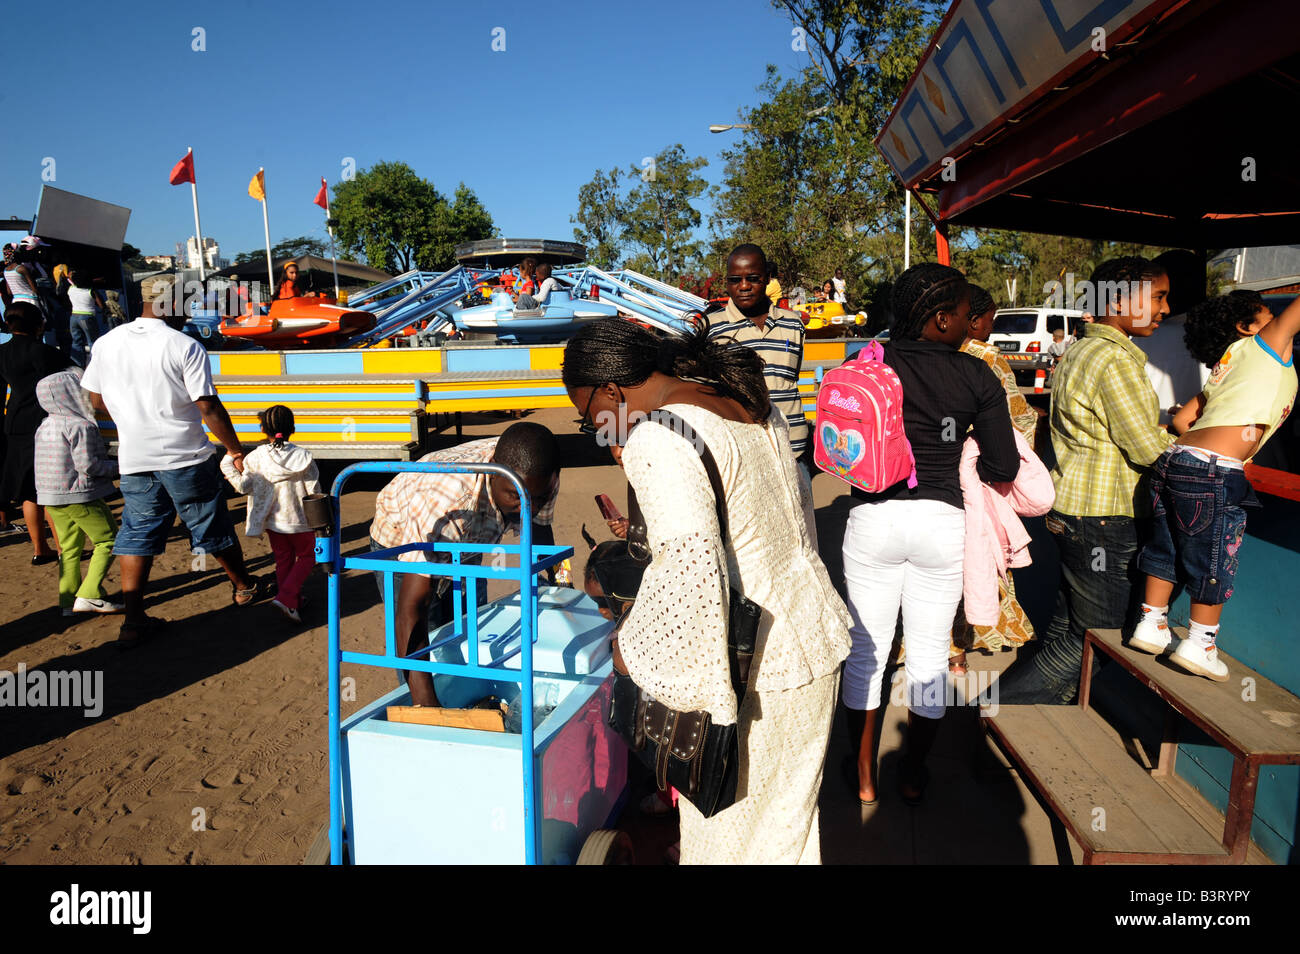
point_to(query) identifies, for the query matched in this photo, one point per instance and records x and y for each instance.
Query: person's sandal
(916, 779)
(132, 634)
(849, 769)
(244, 597)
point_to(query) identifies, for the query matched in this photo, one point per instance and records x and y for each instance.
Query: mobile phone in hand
(607, 508)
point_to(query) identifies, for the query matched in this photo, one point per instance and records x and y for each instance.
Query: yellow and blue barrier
(384, 403)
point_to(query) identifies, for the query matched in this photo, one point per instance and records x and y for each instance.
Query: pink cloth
(295, 555)
(995, 538)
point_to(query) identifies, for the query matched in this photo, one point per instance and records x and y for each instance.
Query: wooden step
(1263, 722)
(1111, 805)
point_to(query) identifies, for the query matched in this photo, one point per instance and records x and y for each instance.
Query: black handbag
(686, 750)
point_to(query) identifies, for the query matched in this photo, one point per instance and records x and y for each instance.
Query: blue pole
(527, 595)
(330, 551)
(335, 715)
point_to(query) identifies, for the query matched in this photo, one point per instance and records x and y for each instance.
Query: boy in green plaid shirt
(1106, 436)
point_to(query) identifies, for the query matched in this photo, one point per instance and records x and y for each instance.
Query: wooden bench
(1113, 807)
(1264, 730)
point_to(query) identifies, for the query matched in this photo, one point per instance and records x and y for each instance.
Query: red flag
(323, 196)
(183, 170)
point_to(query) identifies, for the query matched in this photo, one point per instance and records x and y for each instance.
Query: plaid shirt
(1104, 426)
(446, 508)
(780, 344)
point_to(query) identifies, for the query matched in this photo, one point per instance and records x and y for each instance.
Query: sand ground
(211, 746)
(211, 743)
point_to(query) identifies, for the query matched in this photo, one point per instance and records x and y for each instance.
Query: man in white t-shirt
(156, 384)
(840, 286)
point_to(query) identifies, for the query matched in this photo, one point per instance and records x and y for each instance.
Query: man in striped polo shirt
(776, 334)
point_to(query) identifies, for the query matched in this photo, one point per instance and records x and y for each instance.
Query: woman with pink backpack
(904, 547)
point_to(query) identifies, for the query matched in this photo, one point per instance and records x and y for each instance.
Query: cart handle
(527, 595)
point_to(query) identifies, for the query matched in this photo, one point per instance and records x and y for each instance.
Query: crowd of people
(931, 555)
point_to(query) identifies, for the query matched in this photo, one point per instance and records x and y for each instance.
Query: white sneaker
(1151, 635)
(1197, 659)
(83, 605)
(288, 613)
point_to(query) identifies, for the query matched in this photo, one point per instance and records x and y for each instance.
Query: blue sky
(114, 94)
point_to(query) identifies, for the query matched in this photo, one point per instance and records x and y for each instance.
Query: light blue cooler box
(419, 794)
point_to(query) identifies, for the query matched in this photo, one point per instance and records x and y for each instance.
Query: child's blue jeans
(1200, 520)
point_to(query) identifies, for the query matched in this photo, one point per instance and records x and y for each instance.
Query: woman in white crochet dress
(674, 640)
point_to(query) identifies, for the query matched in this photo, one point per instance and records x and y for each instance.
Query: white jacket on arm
(275, 479)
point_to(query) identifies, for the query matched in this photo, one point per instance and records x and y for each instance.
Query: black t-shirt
(945, 393)
(24, 360)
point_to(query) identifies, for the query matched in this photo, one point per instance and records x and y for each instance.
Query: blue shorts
(1199, 525)
(152, 499)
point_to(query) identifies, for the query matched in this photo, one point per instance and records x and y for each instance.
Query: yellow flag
(257, 186)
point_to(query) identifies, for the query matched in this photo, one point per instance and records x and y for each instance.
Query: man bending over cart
(460, 508)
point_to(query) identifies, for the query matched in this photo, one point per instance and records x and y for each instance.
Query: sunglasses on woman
(585, 426)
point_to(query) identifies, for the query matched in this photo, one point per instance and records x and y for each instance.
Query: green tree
(644, 218)
(132, 257)
(659, 219)
(286, 248)
(599, 222)
(399, 221)
(992, 257)
(807, 181)
(464, 220)
(774, 189)
(299, 245)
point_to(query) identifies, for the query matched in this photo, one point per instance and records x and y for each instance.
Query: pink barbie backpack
(858, 435)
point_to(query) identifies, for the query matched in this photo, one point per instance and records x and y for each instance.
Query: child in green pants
(73, 476)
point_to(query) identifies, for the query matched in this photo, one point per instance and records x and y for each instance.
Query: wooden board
(1264, 723)
(1108, 802)
(485, 720)
(319, 852)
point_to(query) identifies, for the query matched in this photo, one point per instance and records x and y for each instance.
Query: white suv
(1029, 330)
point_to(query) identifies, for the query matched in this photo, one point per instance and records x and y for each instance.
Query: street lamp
(723, 127)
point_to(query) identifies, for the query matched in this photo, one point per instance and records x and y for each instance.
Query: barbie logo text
(846, 402)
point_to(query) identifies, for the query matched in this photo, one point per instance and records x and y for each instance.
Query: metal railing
(425, 301)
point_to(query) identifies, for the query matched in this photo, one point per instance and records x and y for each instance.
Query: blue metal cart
(414, 793)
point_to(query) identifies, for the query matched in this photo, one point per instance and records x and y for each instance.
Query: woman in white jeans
(903, 548)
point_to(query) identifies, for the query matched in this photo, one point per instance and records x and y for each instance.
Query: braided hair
(980, 301)
(618, 351)
(277, 423)
(920, 293)
(1213, 325)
